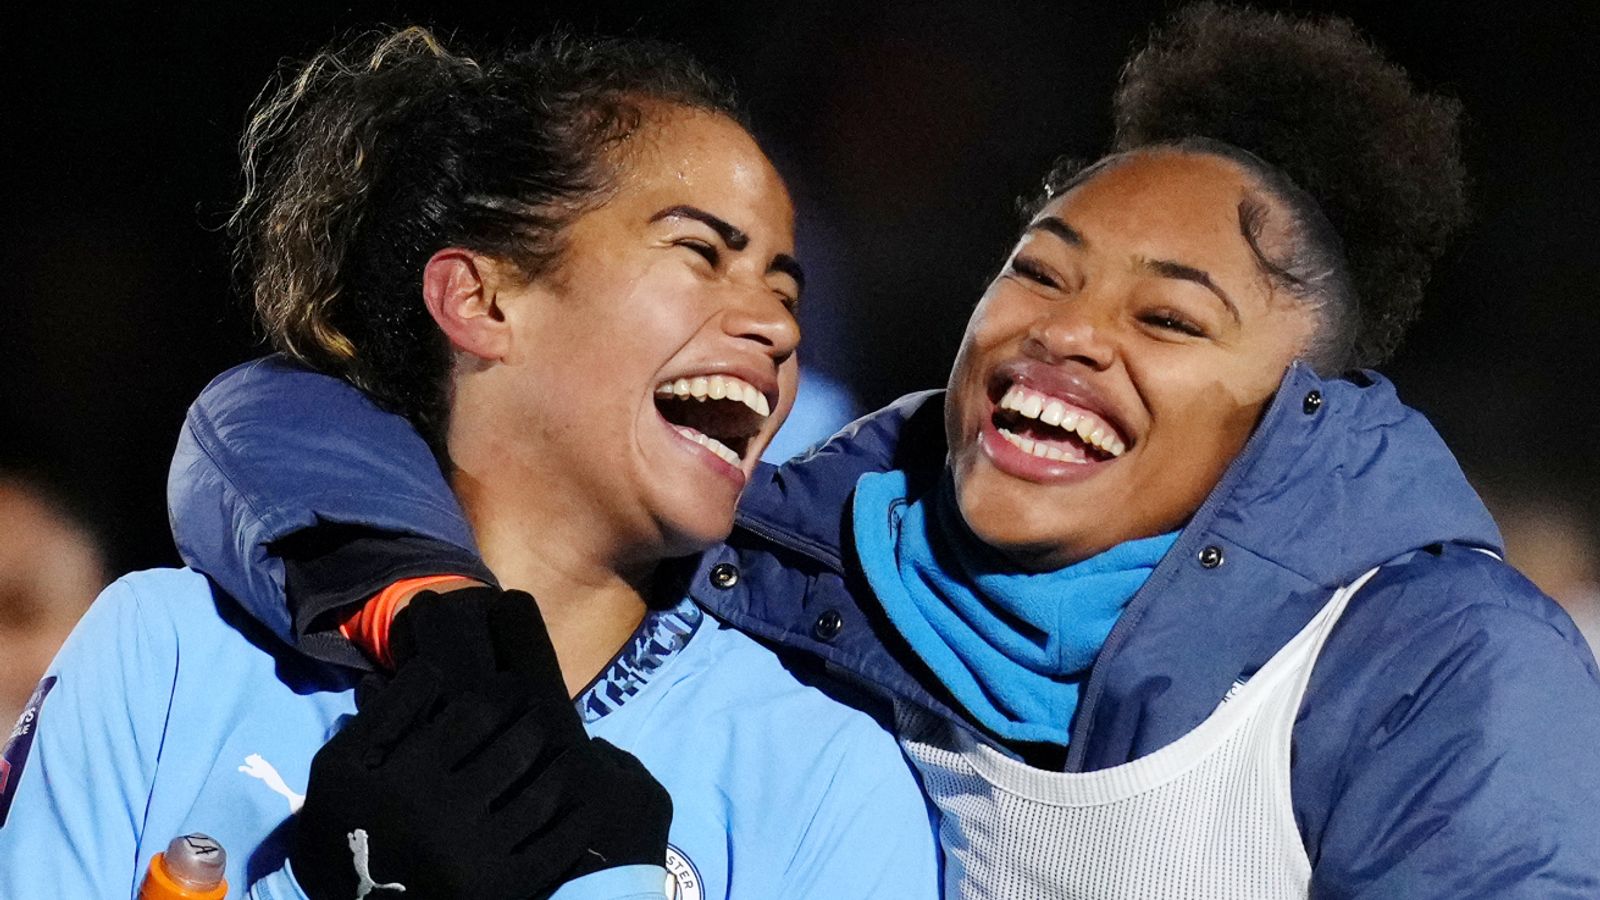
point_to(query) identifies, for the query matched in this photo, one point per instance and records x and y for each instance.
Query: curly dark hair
(362, 163)
(1367, 166)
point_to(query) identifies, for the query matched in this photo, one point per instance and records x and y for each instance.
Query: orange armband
(368, 627)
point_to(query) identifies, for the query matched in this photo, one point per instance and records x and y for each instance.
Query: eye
(792, 304)
(1033, 272)
(1173, 322)
(704, 250)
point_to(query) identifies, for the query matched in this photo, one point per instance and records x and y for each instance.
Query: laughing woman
(515, 254)
(1170, 597)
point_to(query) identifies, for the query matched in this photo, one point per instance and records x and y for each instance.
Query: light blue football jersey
(172, 712)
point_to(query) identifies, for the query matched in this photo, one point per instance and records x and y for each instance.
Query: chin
(696, 531)
(1029, 529)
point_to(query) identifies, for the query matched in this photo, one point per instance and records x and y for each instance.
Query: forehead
(689, 155)
(1164, 200)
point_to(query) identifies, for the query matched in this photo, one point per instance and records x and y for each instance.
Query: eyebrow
(732, 236)
(1060, 229)
(735, 238)
(1169, 269)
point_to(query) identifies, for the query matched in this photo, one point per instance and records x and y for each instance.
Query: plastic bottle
(193, 868)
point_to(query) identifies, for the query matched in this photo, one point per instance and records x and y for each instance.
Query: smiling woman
(1218, 616)
(571, 270)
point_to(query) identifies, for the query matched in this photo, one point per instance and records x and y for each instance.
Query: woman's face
(655, 364)
(1119, 361)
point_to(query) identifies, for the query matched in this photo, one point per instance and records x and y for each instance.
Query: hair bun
(1317, 100)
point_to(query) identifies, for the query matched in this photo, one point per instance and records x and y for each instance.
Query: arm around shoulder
(272, 450)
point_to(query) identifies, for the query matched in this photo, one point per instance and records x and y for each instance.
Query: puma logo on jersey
(363, 863)
(260, 769)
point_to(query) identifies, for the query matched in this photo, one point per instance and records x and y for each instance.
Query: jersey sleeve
(270, 451)
(1483, 781)
(873, 833)
(81, 788)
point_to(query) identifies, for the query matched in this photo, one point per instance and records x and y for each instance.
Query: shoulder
(151, 627)
(145, 615)
(171, 595)
(1453, 655)
(1455, 600)
(1451, 686)
(1450, 625)
(110, 687)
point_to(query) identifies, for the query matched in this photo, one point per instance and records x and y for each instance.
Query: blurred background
(907, 131)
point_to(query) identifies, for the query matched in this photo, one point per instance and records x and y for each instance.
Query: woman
(518, 254)
(1166, 605)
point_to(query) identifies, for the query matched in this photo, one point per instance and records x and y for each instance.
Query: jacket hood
(1340, 477)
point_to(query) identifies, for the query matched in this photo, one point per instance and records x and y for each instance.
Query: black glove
(469, 774)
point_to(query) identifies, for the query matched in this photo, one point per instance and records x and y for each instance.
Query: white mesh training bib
(1208, 817)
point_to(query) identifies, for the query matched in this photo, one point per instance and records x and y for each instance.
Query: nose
(762, 317)
(1069, 331)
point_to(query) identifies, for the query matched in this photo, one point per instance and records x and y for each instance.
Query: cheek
(998, 321)
(631, 320)
(962, 392)
(1198, 426)
(668, 294)
(1206, 431)
(1004, 313)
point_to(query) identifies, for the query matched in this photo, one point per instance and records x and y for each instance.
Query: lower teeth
(722, 450)
(1037, 448)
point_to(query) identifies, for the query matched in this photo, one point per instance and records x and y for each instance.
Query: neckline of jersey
(660, 637)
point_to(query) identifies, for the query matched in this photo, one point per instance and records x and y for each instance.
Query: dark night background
(906, 130)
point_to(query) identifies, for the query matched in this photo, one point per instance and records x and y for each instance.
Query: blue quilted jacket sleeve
(271, 449)
(1477, 778)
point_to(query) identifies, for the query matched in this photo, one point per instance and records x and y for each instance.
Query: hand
(470, 774)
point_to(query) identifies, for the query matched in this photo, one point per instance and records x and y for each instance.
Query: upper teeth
(1086, 425)
(717, 387)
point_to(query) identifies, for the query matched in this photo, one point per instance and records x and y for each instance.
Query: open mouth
(721, 413)
(1053, 429)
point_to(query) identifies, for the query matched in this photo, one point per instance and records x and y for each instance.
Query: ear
(458, 287)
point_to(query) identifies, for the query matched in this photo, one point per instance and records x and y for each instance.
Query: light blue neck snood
(1014, 648)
